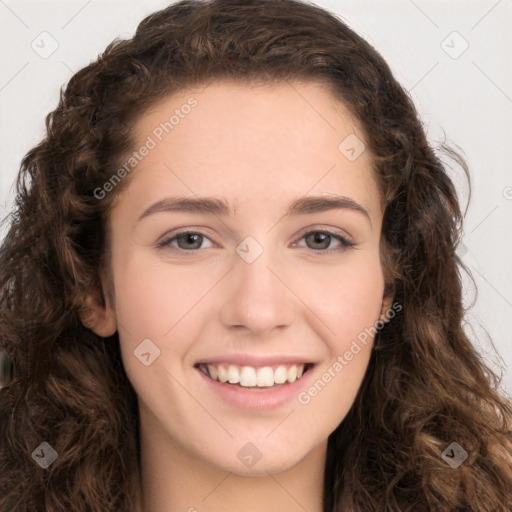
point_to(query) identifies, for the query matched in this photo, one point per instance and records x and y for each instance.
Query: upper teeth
(249, 376)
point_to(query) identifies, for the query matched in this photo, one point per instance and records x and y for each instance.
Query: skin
(259, 147)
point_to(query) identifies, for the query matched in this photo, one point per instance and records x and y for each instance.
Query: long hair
(425, 387)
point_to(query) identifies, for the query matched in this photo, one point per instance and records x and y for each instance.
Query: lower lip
(260, 398)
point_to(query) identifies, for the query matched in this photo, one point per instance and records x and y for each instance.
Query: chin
(259, 458)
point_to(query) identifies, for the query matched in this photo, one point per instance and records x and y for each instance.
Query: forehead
(252, 141)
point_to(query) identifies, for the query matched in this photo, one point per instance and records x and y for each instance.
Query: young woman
(230, 283)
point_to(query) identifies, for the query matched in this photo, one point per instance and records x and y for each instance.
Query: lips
(254, 383)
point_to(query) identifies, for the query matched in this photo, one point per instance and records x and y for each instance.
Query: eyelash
(345, 243)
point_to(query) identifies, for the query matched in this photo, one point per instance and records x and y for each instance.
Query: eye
(188, 238)
(192, 240)
(323, 239)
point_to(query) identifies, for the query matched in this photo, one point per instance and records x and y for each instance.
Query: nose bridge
(259, 298)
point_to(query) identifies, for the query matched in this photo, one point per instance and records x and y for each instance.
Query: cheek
(347, 298)
(152, 296)
(153, 302)
(349, 306)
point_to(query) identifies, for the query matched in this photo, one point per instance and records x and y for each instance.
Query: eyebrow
(217, 206)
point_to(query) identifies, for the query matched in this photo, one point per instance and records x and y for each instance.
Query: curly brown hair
(426, 385)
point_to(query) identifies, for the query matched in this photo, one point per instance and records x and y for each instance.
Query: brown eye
(194, 239)
(188, 241)
(321, 240)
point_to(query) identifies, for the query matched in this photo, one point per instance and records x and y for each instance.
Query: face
(268, 280)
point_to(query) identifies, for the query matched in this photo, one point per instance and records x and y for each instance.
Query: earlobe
(99, 316)
(387, 302)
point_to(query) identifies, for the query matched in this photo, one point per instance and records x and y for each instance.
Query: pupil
(320, 237)
(191, 238)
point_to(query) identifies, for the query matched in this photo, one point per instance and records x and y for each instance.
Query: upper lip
(247, 360)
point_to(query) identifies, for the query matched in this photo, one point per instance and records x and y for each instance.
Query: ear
(99, 315)
(387, 301)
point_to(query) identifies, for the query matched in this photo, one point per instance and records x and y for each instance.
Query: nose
(259, 299)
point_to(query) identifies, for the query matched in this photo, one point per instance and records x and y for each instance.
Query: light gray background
(463, 93)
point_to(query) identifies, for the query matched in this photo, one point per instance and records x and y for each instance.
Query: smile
(251, 376)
